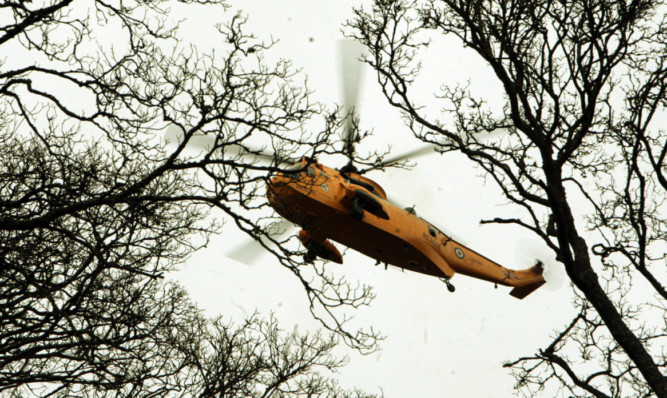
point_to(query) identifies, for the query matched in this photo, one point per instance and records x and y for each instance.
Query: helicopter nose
(277, 190)
(272, 195)
(278, 181)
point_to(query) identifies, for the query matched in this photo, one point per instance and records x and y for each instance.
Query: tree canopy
(95, 206)
(581, 120)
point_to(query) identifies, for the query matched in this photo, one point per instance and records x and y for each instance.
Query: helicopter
(344, 206)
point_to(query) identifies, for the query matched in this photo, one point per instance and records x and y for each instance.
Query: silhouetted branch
(565, 68)
(96, 206)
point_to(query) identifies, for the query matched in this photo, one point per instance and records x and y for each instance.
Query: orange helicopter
(346, 207)
(353, 210)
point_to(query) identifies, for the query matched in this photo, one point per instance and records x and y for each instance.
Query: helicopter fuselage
(353, 210)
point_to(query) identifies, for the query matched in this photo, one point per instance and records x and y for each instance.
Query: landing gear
(321, 248)
(450, 287)
(309, 257)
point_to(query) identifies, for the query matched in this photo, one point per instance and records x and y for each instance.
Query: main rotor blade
(350, 51)
(202, 143)
(249, 251)
(174, 135)
(528, 252)
(425, 150)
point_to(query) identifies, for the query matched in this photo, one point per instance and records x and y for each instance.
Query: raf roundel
(459, 253)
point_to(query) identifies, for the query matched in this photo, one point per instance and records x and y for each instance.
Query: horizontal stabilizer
(528, 280)
(523, 291)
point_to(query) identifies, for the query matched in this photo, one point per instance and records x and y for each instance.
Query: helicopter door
(365, 201)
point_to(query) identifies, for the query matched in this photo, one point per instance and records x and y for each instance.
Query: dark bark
(95, 208)
(563, 67)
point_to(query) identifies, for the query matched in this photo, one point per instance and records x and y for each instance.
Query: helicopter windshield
(292, 171)
(295, 166)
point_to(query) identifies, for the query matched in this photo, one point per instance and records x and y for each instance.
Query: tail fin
(534, 279)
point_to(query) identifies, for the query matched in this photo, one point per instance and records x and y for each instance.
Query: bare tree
(172, 350)
(584, 91)
(95, 207)
(256, 359)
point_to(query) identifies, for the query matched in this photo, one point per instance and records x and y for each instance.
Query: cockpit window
(295, 166)
(292, 170)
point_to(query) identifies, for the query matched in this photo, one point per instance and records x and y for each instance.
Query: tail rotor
(529, 252)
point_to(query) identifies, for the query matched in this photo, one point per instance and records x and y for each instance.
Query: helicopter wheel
(450, 287)
(309, 257)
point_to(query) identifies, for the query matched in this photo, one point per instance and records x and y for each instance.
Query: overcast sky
(438, 344)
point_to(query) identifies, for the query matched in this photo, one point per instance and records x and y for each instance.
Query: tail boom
(468, 262)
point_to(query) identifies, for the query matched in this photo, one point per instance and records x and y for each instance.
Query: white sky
(438, 344)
